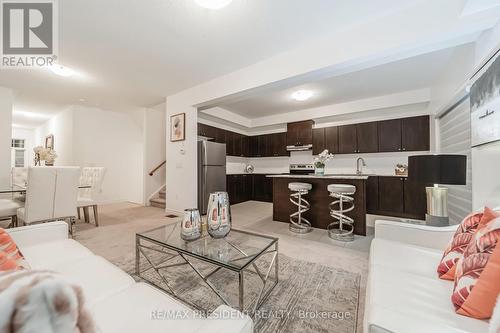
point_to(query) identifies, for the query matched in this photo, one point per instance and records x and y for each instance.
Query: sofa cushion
(98, 277)
(10, 249)
(50, 255)
(478, 274)
(143, 308)
(400, 299)
(406, 258)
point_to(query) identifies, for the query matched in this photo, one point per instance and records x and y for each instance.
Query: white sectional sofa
(117, 302)
(404, 293)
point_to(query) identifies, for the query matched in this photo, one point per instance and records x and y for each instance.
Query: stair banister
(152, 172)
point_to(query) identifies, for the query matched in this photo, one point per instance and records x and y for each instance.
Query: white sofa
(404, 293)
(117, 302)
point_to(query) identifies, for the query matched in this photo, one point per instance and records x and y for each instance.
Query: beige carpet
(114, 239)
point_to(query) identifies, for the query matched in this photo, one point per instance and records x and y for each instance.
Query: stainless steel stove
(301, 169)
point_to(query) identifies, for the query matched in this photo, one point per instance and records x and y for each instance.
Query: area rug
(309, 298)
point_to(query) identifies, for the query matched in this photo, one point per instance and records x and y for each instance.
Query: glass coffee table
(240, 252)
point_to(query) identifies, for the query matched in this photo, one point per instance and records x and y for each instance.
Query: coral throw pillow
(477, 279)
(7, 264)
(464, 234)
(10, 249)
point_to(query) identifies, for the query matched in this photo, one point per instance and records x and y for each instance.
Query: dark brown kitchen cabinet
(220, 135)
(319, 140)
(332, 139)
(391, 191)
(230, 143)
(207, 131)
(262, 188)
(389, 135)
(347, 139)
(395, 196)
(244, 187)
(415, 134)
(245, 146)
(415, 200)
(367, 137)
(262, 150)
(299, 133)
(372, 194)
(277, 144)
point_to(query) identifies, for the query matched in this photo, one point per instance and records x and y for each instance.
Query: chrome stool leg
(298, 223)
(343, 228)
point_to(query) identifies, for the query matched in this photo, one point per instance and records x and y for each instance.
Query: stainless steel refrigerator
(211, 171)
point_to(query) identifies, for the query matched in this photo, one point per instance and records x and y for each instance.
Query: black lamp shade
(438, 169)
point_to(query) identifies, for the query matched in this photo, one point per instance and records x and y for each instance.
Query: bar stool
(343, 228)
(298, 224)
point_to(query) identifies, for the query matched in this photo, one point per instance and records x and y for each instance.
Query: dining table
(12, 189)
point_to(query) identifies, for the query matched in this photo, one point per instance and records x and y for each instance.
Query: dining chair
(89, 197)
(19, 177)
(51, 195)
(8, 210)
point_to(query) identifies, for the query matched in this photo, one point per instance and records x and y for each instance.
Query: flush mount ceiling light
(61, 70)
(302, 95)
(213, 4)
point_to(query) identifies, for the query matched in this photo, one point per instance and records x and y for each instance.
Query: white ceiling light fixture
(302, 95)
(61, 70)
(213, 4)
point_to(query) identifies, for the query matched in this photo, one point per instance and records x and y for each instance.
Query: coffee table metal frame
(186, 256)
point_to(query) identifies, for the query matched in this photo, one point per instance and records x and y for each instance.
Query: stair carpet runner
(159, 201)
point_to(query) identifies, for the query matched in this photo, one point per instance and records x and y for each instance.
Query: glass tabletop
(22, 189)
(235, 251)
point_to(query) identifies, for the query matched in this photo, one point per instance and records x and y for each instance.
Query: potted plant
(320, 161)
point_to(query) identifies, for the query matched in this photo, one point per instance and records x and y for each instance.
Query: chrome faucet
(359, 170)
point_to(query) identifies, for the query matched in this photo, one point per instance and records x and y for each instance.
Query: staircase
(160, 200)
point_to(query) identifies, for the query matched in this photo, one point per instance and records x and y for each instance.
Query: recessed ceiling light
(213, 4)
(302, 95)
(61, 70)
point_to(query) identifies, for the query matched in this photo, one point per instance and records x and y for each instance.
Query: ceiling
(132, 53)
(404, 75)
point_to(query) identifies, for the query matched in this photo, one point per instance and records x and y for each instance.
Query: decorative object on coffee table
(240, 252)
(219, 215)
(191, 225)
(320, 161)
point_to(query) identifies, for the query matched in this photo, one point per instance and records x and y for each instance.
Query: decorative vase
(218, 215)
(319, 171)
(191, 225)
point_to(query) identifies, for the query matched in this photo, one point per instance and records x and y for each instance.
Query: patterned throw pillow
(9, 247)
(464, 234)
(477, 279)
(7, 264)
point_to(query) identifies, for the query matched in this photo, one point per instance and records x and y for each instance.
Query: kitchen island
(319, 198)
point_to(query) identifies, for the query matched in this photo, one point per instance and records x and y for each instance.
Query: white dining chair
(51, 195)
(19, 177)
(8, 210)
(89, 197)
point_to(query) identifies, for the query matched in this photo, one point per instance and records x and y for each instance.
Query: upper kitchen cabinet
(389, 135)
(277, 143)
(332, 139)
(407, 134)
(230, 151)
(319, 141)
(207, 131)
(220, 135)
(367, 137)
(347, 139)
(416, 134)
(299, 133)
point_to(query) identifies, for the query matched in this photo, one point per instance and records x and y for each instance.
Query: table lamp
(437, 170)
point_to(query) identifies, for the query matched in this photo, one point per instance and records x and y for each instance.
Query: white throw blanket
(41, 301)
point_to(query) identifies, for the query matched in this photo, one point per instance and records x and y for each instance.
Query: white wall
(86, 136)
(5, 135)
(28, 135)
(154, 149)
(62, 127)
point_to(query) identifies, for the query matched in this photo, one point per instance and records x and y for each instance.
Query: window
(17, 143)
(18, 147)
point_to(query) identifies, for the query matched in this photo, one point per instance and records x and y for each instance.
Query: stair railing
(152, 172)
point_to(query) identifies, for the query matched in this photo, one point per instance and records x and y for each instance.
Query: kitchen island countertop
(328, 176)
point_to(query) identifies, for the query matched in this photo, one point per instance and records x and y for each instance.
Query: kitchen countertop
(328, 176)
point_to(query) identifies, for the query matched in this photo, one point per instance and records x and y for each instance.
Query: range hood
(299, 148)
